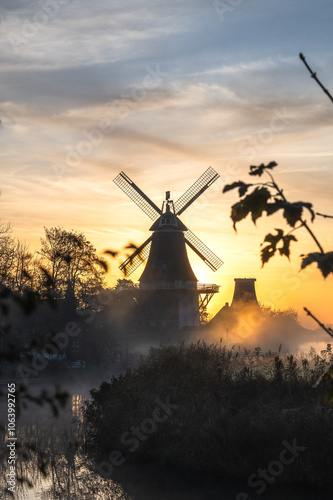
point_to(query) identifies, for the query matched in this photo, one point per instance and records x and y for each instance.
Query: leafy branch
(269, 197)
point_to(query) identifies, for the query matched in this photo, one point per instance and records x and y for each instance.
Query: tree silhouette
(72, 263)
(7, 245)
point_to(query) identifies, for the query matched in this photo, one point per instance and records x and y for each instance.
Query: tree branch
(314, 76)
(325, 216)
(304, 223)
(327, 329)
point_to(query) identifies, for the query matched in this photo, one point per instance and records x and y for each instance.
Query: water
(66, 472)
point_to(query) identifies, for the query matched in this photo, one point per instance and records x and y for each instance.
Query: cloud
(221, 86)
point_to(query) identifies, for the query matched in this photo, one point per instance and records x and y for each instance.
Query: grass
(235, 409)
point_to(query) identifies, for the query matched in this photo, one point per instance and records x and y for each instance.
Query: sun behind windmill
(170, 295)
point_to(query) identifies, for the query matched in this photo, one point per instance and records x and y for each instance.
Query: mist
(250, 326)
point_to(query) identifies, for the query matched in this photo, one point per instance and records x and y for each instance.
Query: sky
(162, 90)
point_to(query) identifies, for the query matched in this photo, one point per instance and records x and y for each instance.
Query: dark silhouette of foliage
(262, 201)
(267, 197)
(72, 263)
(229, 403)
(11, 351)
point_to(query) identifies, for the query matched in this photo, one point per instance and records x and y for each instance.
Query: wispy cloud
(224, 84)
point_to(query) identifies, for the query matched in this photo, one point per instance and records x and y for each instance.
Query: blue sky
(177, 86)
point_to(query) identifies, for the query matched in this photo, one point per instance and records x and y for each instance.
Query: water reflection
(51, 459)
(77, 405)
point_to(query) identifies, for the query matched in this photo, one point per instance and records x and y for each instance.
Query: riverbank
(206, 408)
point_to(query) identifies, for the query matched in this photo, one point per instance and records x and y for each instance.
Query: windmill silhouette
(170, 295)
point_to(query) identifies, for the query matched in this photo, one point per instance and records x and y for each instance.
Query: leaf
(273, 239)
(293, 211)
(271, 208)
(254, 202)
(285, 249)
(111, 252)
(324, 262)
(103, 264)
(238, 212)
(266, 254)
(132, 245)
(257, 202)
(260, 170)
(309, 207)
(241, 185)
(269, 250)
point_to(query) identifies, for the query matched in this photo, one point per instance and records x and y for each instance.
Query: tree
(72, 264)
(24, 268)
(7, 245)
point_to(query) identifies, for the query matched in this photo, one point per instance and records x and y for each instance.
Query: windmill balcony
(180, 285)
(207, 288)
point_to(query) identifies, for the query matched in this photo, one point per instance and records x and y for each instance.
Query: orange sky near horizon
(163, 93)
(280, 284)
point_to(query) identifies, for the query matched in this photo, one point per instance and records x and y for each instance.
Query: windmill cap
(166, 221)
(245, 279)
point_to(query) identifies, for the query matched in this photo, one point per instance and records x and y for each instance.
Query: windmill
(170, 295)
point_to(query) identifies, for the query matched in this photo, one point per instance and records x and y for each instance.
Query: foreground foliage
(234, 410)
(267, 197)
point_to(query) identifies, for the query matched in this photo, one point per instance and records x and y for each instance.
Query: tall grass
(235, 409)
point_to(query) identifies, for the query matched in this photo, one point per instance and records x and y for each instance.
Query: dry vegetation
(235, 409)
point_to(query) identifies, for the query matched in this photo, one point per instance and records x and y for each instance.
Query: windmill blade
(196, 190)
(135, 194)
(209, 257)
(136, 259)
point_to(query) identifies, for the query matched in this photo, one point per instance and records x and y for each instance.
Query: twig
(314, 75)
(325, 216)
(327, 329)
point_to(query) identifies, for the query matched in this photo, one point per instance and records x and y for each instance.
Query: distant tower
(169, 292)
(244, 292)
(244, 299)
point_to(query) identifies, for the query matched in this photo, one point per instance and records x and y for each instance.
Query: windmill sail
(135, 194)
(141, 199)
(136, 259)
(196, 190)
(209, 257)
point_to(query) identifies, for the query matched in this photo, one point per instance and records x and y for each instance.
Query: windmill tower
(170, 295)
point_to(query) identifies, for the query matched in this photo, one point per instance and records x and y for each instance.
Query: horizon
(162, 92)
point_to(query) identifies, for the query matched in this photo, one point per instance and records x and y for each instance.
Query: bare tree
(7, 245)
